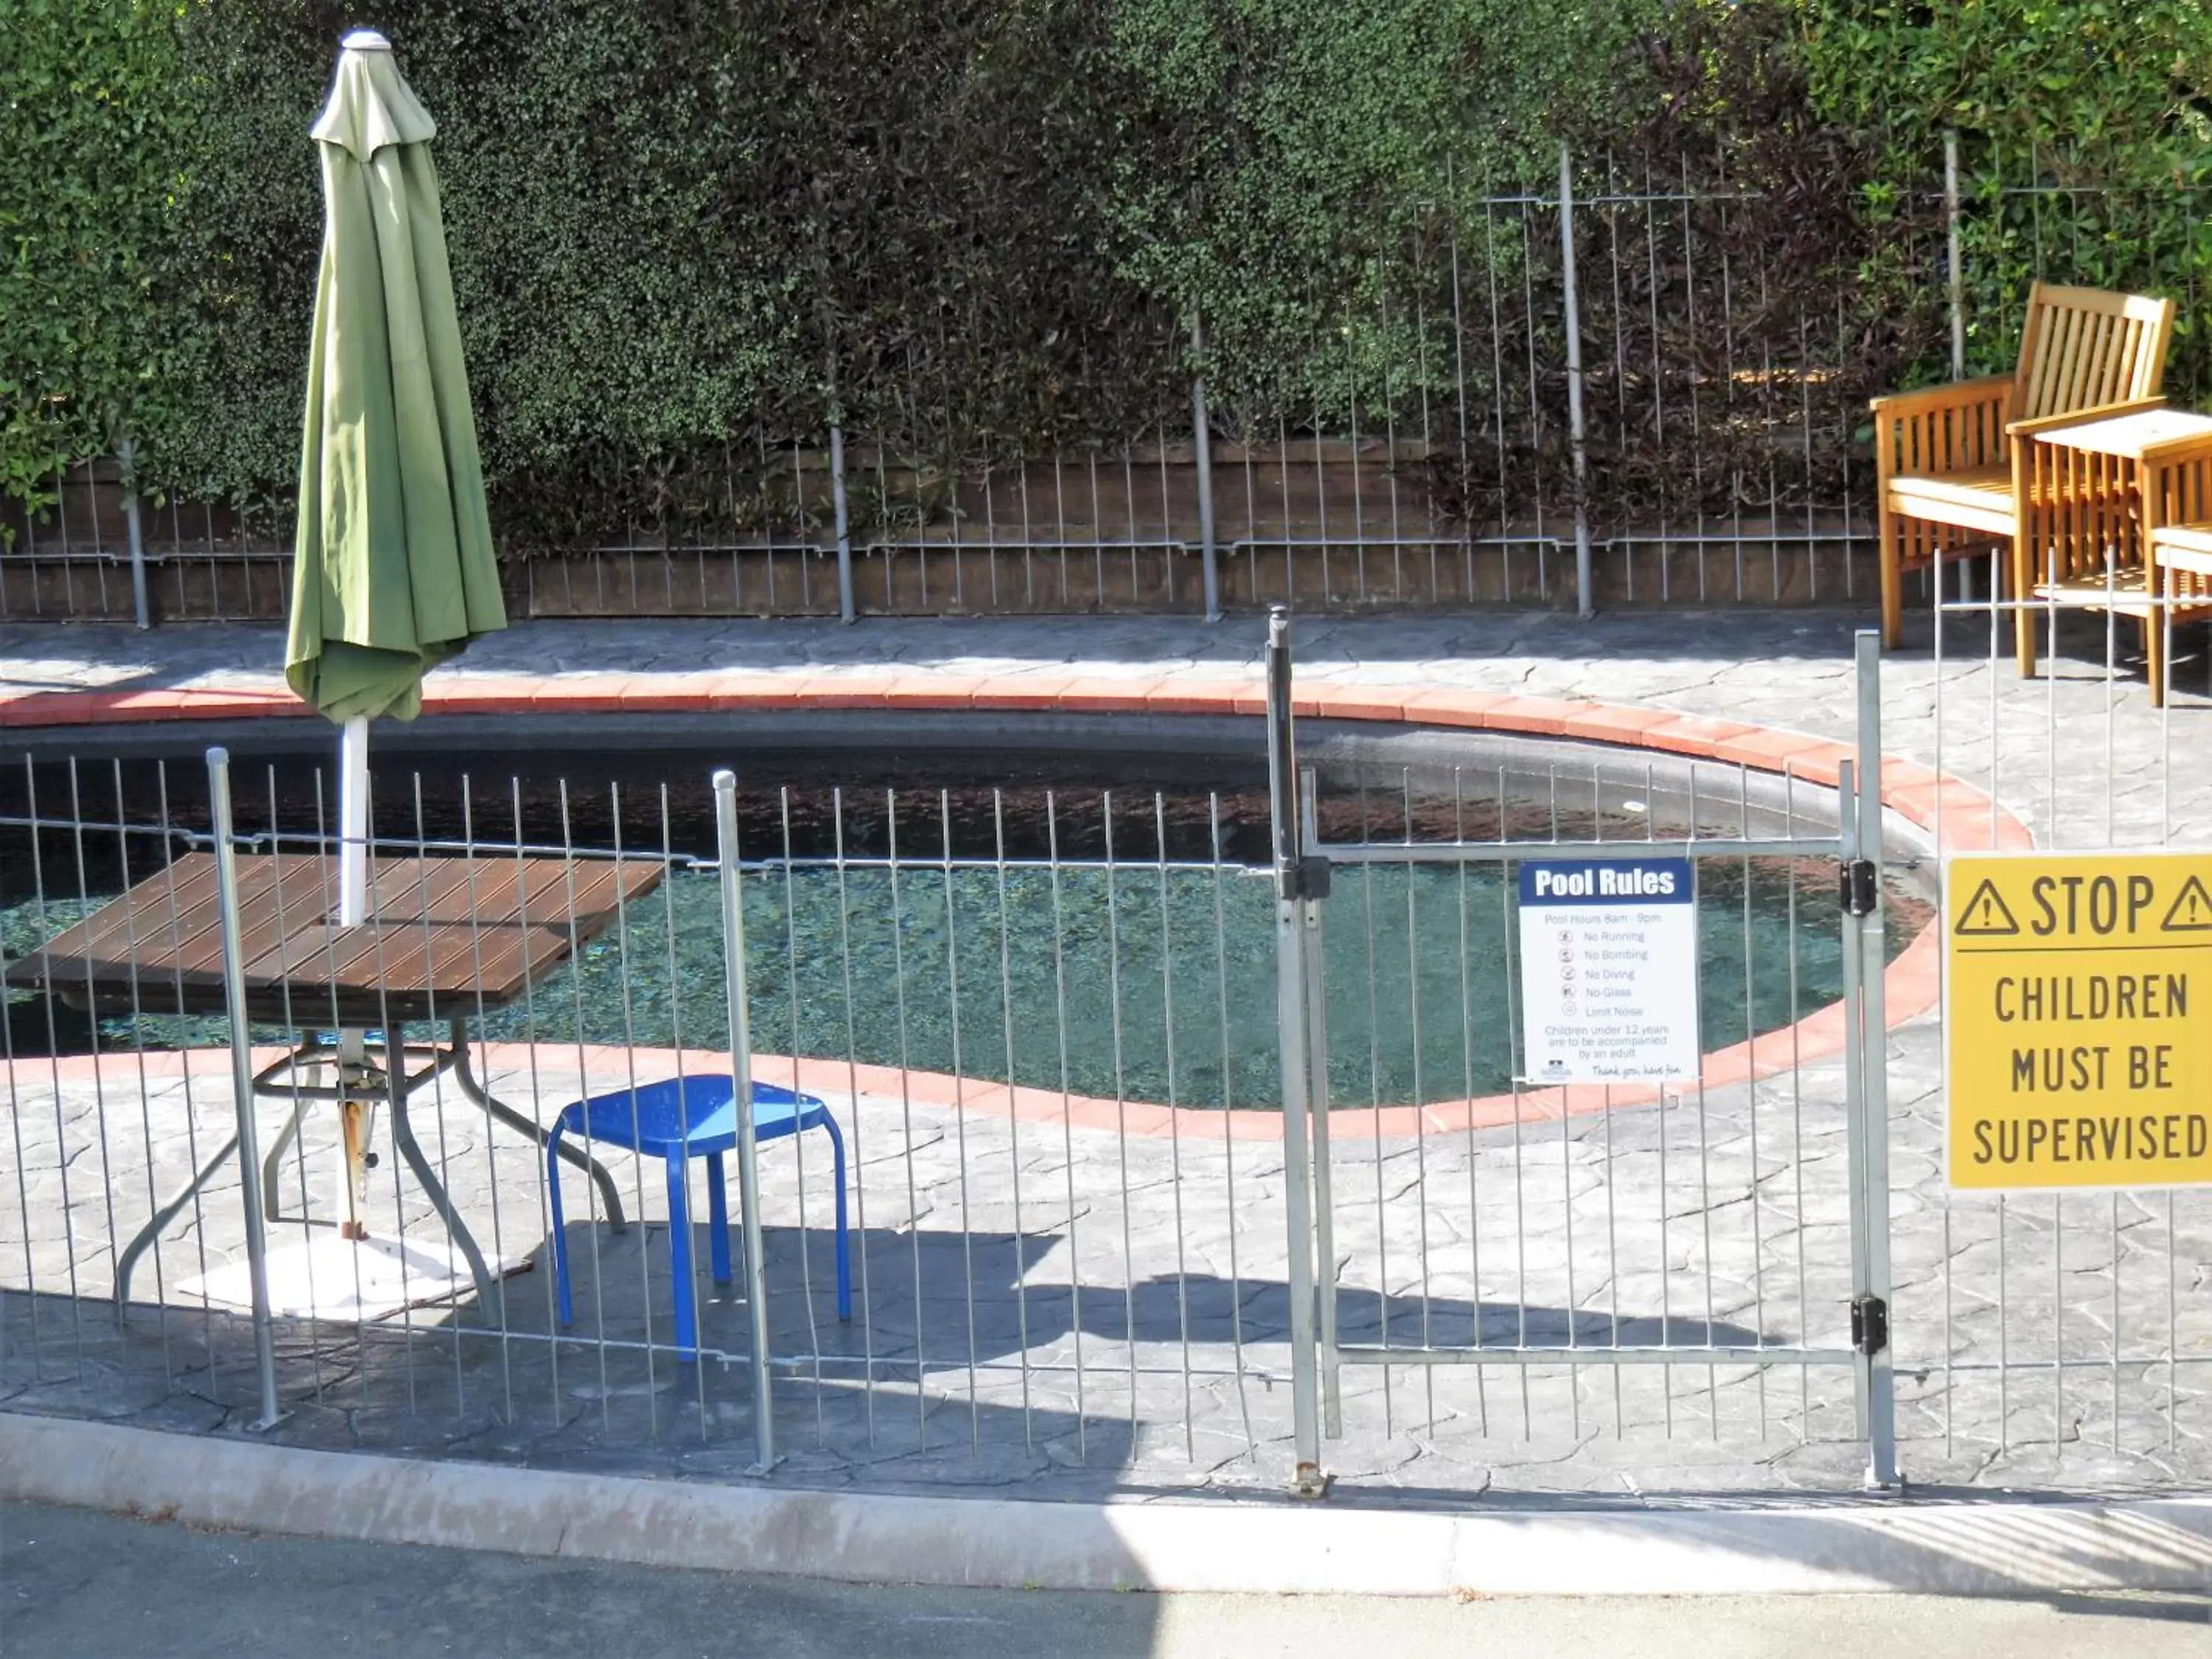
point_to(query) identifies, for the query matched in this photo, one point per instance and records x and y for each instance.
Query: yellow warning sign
(2078, 1019)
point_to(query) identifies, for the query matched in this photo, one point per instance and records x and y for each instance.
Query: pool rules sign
(1609, 970)
(2078, 1019)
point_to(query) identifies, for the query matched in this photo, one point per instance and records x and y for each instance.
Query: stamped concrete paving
(2054, 1344)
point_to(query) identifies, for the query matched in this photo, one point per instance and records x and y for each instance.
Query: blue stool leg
(718, 1218)
(679, 1257)
(560, 1234)
(844, 1243)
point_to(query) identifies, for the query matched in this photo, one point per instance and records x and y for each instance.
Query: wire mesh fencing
(1006, 1064)
(2040, 1330)
(1641, 382)
(1020, 1185)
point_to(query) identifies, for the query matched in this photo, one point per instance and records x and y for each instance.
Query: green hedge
(2114, 94)
(970, 230)
(684, 232)
(92, 121)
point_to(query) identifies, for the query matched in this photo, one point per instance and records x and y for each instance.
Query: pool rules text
(1609, 970)
(2078, 1019)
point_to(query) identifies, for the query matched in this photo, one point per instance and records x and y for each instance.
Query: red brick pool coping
(1965, 817)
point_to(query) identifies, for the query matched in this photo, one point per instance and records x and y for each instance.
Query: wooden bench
(1950, 473)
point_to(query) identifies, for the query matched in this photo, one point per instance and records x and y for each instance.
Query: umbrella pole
(353, 911)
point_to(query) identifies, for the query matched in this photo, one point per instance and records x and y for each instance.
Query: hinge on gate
(1869, 1324)
(1306, 878)
(1861, 889)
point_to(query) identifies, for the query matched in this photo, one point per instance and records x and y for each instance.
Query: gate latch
(1869, 1324)
(1306, 878)
(1861, 890)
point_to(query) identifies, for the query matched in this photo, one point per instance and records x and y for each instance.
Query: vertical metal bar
(1175, 1115)
(1111, 874)
(1324, 1228)
(1577, 434)
(1957, 269)
(1201, 437)
(1872, 1136)
(741, 1065)
(1467, 1079)
(1227, 1102)
(1850, 972)
(791, 957)
(1291, 946)
(842, 512)
(1066, 1120)
(241, 1083)
(906, 1112)
(1013, 1081)
(859, 1163)
(126, 457)
(959, 1105)
(1367, 978)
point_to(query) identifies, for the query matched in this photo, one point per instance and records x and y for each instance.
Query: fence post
(1585, 596)
(741, 1069)
(126, 457)
(1958, 281)
(1201, 436)
(1871, 1291)
(1293, 918)
(846, 611)
(241, 1083)
(1316, 1061)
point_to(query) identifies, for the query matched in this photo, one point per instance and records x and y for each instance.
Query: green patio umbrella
(394, 570)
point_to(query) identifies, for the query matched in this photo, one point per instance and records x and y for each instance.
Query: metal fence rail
(1581, 393)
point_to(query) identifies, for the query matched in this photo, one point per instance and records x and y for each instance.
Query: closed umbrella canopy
(394, 570)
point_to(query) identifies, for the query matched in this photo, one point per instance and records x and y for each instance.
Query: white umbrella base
(328, 1277)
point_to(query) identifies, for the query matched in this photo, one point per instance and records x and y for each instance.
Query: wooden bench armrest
(2080, 416)
(1959, 394)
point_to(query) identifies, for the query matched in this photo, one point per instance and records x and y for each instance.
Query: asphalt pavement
(75, 1584)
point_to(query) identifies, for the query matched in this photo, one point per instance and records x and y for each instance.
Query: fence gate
(1522, 1243)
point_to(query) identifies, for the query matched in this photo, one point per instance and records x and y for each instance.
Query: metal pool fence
(1006, 1045)
(2030, 1322)
(1594, 390)
(1071, 1052)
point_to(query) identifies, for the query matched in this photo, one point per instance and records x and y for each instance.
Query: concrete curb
(1983, 1548)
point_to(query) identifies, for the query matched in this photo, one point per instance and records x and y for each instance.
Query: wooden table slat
(349, 956)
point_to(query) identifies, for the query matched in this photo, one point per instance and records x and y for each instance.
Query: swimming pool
(1089, 916)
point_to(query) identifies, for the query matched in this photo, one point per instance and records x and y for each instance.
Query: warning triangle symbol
(1986, 914)
(2192, 912)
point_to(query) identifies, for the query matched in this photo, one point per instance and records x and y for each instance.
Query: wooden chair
(1948, 465)
(2177, 506)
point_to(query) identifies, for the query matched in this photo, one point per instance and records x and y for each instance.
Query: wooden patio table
(2095, 489)
(448, 940)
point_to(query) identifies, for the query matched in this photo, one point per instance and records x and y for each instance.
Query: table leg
(2023, 587)
(403, 1132)
(2157, 635)
(575, 1156)
(146, 1235)
(272, 1162)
